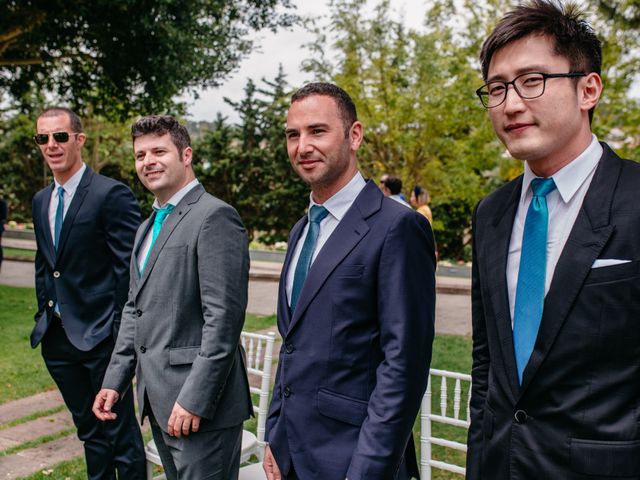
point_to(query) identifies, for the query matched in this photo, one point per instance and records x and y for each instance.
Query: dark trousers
(202, 455)
(109, 447)
(402, 473)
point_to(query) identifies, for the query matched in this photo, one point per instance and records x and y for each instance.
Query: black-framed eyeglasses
(528, 86)
(59, 137)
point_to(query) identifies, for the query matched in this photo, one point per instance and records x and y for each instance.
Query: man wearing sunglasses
(85, 225)
(556, 266)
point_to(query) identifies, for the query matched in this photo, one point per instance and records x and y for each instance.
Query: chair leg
(149, 470)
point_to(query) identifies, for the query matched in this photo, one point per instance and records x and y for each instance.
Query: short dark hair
(74, 119)
(573, 36)
(419, 191)
(346, 107)
(394, 184)
(161, 125)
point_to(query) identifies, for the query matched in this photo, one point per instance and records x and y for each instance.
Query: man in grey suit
(181, 325)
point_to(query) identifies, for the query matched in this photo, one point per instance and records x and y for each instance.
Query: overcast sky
(286, 48)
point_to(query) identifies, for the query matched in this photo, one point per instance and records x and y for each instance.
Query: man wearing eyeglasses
(556, 287)
(85, 225)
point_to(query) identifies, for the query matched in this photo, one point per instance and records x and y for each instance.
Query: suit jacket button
(287, 392)
(521, 416)
(56, 274)
(50, 303)
(143, 349)
(139, 313)
(288, 347)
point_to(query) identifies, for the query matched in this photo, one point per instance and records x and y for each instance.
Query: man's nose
(513, 101)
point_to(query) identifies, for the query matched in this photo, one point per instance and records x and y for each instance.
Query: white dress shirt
(564, 203)
(337, 207)
(69, 188)
(174, 200)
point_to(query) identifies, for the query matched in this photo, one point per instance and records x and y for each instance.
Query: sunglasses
(59, 137)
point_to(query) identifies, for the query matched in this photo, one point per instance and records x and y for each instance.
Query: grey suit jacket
(182, 321)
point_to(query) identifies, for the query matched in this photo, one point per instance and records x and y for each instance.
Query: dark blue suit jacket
(579, 402)
(89, 275)
(356, 353)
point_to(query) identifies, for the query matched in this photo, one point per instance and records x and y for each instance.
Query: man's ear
(589, 90)
(187, 156)
(355, 135)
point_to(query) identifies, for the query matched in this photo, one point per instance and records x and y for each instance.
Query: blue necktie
(161, 215)
(531, 276)
(316, 215)
(57, 226)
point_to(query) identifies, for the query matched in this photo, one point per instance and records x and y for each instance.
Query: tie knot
(317, 213)
(542, 186)
(163, 213)
(60, 192)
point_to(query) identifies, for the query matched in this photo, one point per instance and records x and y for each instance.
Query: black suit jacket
(355, 357)
(577, 413)
(89, 275)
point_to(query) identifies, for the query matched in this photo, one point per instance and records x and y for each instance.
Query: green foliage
(117, 57)
(415, 95)
(247, 165)
(22, 171)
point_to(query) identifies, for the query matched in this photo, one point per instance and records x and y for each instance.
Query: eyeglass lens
(529, 85)
(43, 138)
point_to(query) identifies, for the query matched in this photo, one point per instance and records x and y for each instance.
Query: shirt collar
(71, 185)
(341, 201)
(179, 195)
(569, 178)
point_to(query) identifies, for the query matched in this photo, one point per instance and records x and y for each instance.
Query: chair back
(451, 416)
(259, 358)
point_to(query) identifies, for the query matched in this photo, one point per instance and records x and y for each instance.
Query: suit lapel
(351, 229)
(284, 312)
(48, 250)
(74, 208)
(173, 220)
(496, 252)
(588, 237)
(142, 234)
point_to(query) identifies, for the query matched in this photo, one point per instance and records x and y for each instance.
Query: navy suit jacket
(355, 356)
(89, 275)
(578, 408)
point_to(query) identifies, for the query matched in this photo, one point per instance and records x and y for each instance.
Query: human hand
(270, 466)
(103, 403)
(182, 422)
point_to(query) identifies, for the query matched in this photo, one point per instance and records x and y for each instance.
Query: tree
(247, 164)
(414, 91)
(120, 57)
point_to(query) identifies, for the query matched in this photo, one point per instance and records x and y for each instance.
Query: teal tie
(57, 226)
(316, 215)
(161, 216)
(531, 276)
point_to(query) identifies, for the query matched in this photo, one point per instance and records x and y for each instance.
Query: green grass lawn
(18, 253)
(22, 373)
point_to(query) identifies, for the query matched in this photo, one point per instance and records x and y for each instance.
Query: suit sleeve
(274, 406)
(39, 261)
(480, 369)
(122, 365)
(223, 270)
(120, 216)
(406, 311)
